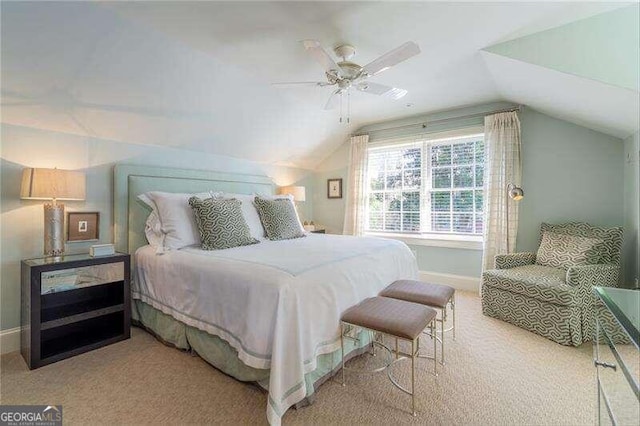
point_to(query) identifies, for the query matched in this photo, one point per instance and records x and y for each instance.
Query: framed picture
(334, 188)
(83, 226)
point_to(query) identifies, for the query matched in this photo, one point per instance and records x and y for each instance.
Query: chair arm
(583, 278)
(605, 275)
(508, 261)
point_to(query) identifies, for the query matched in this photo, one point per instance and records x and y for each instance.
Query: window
(431, 186)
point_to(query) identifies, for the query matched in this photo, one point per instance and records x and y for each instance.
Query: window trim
(456, 241)
(428, 170)
(426, 141)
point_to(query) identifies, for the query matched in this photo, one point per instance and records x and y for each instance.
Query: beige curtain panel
(356, 203)
(503, 165)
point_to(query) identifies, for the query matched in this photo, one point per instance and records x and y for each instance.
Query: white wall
(21, 230)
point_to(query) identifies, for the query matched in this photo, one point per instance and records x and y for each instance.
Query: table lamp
(54, 185)
(298, 193)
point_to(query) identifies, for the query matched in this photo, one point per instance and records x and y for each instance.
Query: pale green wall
(21, 225)
(330, 212)
(570, 173)
(603, 47)
(631, 259)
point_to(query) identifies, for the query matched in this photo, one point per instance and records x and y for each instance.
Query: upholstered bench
(433, 295)
(396, 318)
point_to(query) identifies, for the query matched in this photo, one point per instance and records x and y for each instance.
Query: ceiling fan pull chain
(340, 107)
(348, 106)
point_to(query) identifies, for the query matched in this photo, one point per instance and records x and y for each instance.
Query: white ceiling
(197, 74)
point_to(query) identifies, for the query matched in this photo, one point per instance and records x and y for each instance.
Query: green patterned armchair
(550, 292)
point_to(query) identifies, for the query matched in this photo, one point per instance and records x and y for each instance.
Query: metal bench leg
(413, 377)
(342, 351)
(444, 310)
(435, 348)
(453, 311)
(372, 335)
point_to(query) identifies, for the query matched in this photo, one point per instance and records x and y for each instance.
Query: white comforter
(278, 303)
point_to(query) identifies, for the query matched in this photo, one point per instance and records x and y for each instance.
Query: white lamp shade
(47, 184)
(298, 192)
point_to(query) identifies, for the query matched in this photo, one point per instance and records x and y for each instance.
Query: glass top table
(624, 304)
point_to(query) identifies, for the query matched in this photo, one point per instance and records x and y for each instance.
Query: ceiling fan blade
(333, 100)
(294, 84)
(389, 59)
(321, 56)
(381, 90)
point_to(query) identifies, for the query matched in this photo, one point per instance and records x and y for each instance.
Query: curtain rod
(444, 120)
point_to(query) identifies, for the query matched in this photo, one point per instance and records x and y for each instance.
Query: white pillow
(153, 227)
(176, 217)
(250, 214)
(153, 230)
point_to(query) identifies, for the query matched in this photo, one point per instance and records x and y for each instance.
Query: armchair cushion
(594, 275)
(611, 237)
(564, 251)
(535, 281)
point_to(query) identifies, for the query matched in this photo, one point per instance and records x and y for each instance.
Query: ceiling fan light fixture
(350, 70)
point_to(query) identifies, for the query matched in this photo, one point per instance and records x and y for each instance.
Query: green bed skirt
(221, 355)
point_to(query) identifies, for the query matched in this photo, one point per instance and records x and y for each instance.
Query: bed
(268, 312)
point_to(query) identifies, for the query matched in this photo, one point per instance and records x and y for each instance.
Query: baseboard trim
(9, 340)
(459, 282)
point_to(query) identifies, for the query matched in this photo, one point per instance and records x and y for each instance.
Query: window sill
(434, 240)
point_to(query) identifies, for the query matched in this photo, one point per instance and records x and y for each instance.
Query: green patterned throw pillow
(279, 218)
(565, 251)
(220, 223)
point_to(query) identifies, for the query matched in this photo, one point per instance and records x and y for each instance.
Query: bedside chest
(73, 305)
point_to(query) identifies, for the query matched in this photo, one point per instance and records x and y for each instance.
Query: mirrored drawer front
(615, 387)
(86, 276)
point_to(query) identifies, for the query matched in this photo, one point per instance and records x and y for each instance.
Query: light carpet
(495, 374)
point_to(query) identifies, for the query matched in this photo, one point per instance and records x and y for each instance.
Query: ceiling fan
(345, 74)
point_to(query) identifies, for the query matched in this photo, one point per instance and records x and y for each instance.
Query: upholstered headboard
(130, 181)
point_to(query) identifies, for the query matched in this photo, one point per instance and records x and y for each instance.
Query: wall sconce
(54, 185)
(515, 192)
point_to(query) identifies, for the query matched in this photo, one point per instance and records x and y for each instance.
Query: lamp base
(53, 229)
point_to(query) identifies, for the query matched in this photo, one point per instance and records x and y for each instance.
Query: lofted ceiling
(197, 75)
